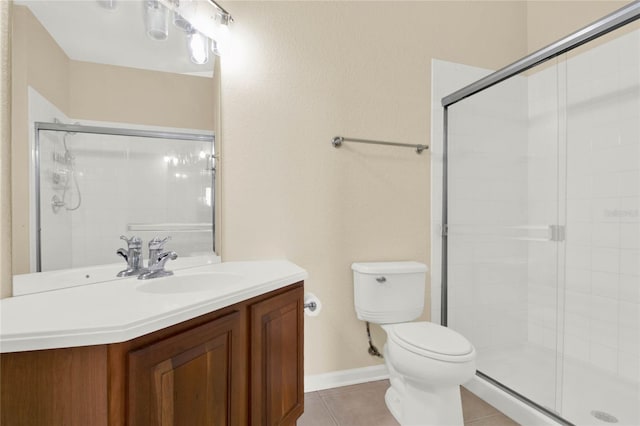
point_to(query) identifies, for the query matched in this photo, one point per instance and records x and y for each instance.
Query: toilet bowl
(427, 362)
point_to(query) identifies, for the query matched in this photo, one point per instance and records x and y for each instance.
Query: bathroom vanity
(229, 354)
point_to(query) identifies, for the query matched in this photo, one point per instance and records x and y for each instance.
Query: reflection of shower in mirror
(64, 176)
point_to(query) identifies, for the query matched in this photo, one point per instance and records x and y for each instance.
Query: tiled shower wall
(128, 181)
(487, 188)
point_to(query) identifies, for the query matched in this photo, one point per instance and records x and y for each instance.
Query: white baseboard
(336, 379)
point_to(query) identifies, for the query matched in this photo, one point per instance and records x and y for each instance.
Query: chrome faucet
(156, 245)
(157, 259)
(133, 256)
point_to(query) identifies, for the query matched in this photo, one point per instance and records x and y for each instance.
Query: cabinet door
(277, 388)
(193, 378)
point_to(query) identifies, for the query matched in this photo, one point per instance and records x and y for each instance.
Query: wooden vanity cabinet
(276, 357)
(190, 378)
(240, 365)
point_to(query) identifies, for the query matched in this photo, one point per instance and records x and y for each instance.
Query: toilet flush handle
(381, 279)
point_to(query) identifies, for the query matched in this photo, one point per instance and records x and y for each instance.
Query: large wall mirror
(114, 123)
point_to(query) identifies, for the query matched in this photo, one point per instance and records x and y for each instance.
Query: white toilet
(427, 362)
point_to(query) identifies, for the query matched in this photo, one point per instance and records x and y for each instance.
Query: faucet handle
(158, 243)
(133, 242)
(123, 253)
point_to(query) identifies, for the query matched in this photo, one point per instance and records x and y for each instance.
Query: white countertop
(117, 311)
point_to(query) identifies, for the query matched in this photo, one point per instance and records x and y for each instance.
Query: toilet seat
(431, 340)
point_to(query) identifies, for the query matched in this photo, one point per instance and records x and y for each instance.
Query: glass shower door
(601, 357)
(504, 233)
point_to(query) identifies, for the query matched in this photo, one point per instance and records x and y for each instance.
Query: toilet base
(425, 407)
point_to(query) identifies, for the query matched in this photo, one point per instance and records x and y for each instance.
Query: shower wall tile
(629, 341)
(629, 288)
(605, 259)
(577, 347)
(604, 357)
(605, 284)
(629, 366)
(578, 280)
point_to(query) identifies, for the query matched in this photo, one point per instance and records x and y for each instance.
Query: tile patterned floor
(363, 405)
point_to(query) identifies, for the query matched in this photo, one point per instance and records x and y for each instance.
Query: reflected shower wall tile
(629, 129)
(629, 183)
(606, 259)
(605, 284)
(630, 262)
(604, 357)
(580, 233)
(579, 210)
(605, 185)
(629, 288)
(577, 325)
(629, 340)
(618, 158)
(535, 333)
(603, 308)
(629, 210)
(578, 303)
(629, 315)
(604, 333)
(577, 347)
(606, 235)
(605, 210)
(629, 366)
(578, 280)
(578, 257)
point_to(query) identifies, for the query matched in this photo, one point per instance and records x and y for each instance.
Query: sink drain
(604, 416)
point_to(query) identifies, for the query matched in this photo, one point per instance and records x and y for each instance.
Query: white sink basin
(189, 283)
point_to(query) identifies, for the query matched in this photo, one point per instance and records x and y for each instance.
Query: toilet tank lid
(389, 267)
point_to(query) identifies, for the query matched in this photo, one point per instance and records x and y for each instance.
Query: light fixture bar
(226, 16)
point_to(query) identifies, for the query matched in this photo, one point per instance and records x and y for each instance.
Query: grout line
(328, 409)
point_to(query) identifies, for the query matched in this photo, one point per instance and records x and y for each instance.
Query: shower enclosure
(94, 184)
(541, 224)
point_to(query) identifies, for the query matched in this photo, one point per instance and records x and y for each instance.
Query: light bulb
(198, 48)
(156, 20)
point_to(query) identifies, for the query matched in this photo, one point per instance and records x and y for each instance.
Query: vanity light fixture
(156, 20)
(207, 17)
(180, 22)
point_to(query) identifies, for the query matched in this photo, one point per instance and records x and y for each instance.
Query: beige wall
(90, 91)
(303, 72)
(548, 21)
(6, 11)
(46, 70)
(129, 95)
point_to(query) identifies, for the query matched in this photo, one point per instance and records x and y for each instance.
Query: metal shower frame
(607, 24)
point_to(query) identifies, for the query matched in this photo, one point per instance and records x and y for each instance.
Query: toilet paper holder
(311, 306)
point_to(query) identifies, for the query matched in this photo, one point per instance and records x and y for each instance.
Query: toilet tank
(389, 292)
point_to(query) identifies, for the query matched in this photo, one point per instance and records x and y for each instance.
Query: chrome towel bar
(338, 140)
